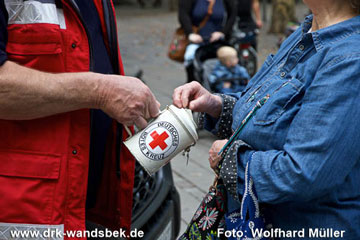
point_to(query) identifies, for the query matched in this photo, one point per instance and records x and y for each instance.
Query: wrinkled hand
(197, 98)
(195, 38)
(214, 157)
(127, 100)
(215, 36)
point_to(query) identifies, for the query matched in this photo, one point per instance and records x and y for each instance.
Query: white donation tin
(171, 132)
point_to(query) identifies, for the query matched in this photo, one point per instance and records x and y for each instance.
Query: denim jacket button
(283, 74)
(302, 47)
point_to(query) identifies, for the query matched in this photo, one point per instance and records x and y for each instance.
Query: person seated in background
(228, 76)
(219, 25)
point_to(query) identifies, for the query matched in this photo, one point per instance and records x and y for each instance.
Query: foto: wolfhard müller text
(311, 233)
(326, 233)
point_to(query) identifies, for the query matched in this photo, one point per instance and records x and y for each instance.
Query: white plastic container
(171, 132)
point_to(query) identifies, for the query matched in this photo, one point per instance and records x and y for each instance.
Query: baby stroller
(204, 63)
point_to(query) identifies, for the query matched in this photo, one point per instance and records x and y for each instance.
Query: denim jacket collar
(331, 34)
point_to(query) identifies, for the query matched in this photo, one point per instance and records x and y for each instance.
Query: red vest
(44, 162)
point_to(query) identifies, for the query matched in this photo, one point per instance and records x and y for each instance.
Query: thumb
(154, 107)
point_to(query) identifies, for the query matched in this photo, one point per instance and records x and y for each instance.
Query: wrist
(83, 90)
(97, 87)
(216, 106)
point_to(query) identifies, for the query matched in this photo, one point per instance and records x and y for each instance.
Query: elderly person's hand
(127, 100)
(195, 38)
(214, 156)
(215, 36)
(197, 98)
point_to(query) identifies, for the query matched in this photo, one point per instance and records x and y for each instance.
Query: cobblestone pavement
(144, 35)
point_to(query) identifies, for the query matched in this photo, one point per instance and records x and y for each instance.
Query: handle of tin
(128, 131)
(150, 120)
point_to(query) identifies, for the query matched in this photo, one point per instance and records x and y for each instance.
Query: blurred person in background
(219, 25)
(246, 9)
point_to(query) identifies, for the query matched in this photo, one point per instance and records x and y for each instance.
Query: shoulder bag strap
(207, 17)
(233, 137)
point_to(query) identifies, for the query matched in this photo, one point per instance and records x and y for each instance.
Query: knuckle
(147, 89)
(176, 98)
(138, 81)
(195, 83)
(138, 105)
(148, 93)
(133, 113)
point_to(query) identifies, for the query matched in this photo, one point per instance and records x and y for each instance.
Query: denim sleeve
(3, 32)
(322, 144)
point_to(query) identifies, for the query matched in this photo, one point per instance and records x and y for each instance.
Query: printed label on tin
(159, 140)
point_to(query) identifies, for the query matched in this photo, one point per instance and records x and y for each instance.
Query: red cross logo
(159, 140)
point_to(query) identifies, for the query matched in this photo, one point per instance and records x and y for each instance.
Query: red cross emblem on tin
(158, 140)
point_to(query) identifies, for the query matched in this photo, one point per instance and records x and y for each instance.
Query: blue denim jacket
(306, 138)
